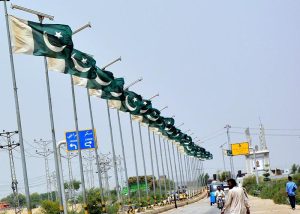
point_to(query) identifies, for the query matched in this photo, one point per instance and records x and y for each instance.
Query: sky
(212, 62)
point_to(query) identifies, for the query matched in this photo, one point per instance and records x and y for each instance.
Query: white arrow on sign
(73, 145)
(88, 144)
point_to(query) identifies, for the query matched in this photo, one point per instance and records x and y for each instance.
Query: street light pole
(223, 156)
(230, 157)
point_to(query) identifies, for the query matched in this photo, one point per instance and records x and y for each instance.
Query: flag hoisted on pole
(96, 141)
(50, 40)
(79, 148)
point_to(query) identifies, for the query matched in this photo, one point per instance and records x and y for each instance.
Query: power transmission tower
(89, 170)
(120, 170)
(53, 180)
(14, 183)
(262, 138)
(45, 152)
(105, 165)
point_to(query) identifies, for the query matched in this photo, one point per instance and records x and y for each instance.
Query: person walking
(236, 200)
(291, 188)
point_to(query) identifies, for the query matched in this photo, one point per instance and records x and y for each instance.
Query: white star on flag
(58, 35)
(145, 103)
(134, 99)
(84, 60)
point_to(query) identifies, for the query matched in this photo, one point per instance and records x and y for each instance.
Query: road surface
(200, 207)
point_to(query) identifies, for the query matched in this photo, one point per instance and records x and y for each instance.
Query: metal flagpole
(93, 128)
(162, 165)
(144, 164)
(185, 157)
(41, 17)
(124, 156)
(113, 153)
(79, 148)
(180, 184)
(180, 167)
(135, 160)
(59, 184)
(175, 172)
(168, 172)
(71, 180)
(170, 160)
(152, 167)
(18, 115)
(157, 166)
(193, 175)
(96, 153)
(61, 176)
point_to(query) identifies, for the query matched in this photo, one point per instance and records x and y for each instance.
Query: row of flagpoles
(54, 43)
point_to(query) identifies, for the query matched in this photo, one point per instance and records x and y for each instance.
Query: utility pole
(222, 149)
(227, 127)
(45, 153)
(14, 183)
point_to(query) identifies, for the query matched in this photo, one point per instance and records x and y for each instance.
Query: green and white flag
(132, 103)
(146, 105)
(80, 64)
(103, 79)
(113, 93)
(51, 40)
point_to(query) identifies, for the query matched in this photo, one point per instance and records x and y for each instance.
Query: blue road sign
(86, 137)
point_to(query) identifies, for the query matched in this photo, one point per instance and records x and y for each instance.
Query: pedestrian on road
(236, 200)
(291, 188)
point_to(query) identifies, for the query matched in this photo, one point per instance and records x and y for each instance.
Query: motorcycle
(220, 202)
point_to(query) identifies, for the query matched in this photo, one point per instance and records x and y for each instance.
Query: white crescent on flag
(79, 67)
(50, 46)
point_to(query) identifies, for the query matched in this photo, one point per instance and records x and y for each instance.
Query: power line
(269, 129)
(278, 135)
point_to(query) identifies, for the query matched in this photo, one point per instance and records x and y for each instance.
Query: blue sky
(213, 63)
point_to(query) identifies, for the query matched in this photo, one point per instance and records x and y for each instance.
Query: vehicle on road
(220, 203)
(212, 191)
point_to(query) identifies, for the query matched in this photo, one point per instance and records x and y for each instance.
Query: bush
(273, 189)
(50, 207)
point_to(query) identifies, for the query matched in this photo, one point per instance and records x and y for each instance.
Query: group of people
(237, 198)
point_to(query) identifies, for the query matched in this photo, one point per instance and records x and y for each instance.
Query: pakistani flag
(102, 79)
(80, 64)
(132, 103)
(146, 105)
(151, 115)
(51, 40)
(113, 93)
(157, 125)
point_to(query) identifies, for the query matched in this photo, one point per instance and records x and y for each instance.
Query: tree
(94, 201)
(294, 168)
(74, 183)
(35, 200)
(223, 175)
(10, 200)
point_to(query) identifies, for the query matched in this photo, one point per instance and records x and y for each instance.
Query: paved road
(201, 207)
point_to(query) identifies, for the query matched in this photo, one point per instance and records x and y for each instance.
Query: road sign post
(87, 140)
(240, 148)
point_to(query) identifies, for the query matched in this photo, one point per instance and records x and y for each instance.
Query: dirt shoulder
(265, 206)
